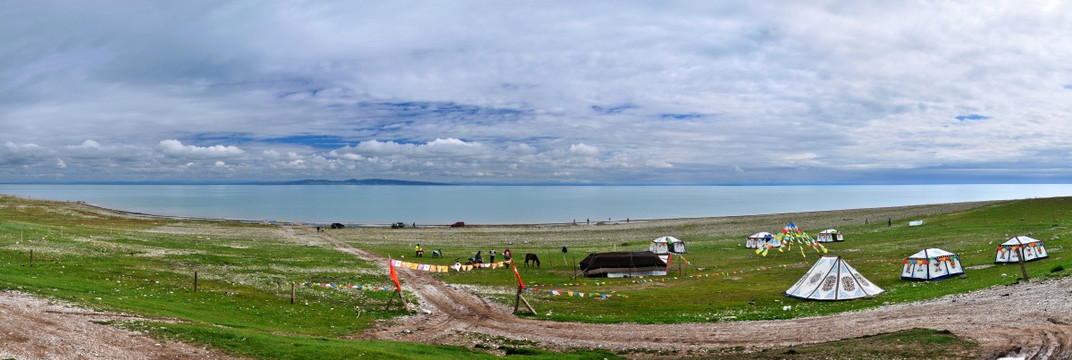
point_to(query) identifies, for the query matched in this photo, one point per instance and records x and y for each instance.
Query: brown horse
(533, 258)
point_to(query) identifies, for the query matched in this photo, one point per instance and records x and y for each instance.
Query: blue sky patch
(972, 117)
(315, 141)
(610, 110)
(681, 116)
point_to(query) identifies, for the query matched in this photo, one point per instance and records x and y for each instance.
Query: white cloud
(177, 149)
(583, 150)
(601, 92)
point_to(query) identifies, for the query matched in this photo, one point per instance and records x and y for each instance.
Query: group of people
(479, 259)
(476, 259)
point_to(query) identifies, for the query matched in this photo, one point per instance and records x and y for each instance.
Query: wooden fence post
(195, 281)
(1022, 268)
(292, 293)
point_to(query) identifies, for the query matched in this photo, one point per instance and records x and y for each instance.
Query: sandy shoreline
(869, 215)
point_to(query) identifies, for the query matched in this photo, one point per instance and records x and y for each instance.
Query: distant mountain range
(351, 182)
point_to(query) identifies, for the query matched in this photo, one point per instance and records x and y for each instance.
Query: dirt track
(34, 328)
(1032, 320)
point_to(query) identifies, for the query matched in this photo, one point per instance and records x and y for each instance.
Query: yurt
(665, 245)
(759, 239)
(931, 264)
(831, 278)
(1009, 251)
(622, 264)
(829, 235)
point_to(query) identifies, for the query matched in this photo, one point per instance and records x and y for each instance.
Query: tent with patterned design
(931, 264)
(1009, 251)
(665, 245)
(831, 278)
(758, 240)
(829, 235)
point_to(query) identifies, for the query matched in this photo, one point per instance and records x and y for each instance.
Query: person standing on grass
(491, 256)
(889, 222)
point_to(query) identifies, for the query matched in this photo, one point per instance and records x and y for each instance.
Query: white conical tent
(931, 264)
(831, 278)
(1009, 251)
(829, 235)
(665, 245)
(759, 239)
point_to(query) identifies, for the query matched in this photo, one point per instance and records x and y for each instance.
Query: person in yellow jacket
(418, 250)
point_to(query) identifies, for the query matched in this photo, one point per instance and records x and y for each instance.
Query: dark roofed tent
(622, 264)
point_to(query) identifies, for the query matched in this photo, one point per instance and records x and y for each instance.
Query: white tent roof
(831, 278)
(761, 235)
(667, 239)
(930, 253)
(1019, 240)
(829, 231)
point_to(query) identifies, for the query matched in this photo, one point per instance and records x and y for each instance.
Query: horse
(437, 253)
(533, 258)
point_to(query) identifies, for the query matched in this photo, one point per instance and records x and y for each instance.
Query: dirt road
(35, 328)
(1032, 320)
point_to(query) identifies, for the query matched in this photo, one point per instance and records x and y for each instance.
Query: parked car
(458, 224)
(337, 226)
(398, 225)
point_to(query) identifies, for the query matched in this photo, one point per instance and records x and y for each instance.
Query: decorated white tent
(931, 264)
(829, 235)
(1009, 251)
(831, 278)
(759, 239)
(665, 245)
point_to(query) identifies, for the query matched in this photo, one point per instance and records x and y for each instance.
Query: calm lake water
(375, 204)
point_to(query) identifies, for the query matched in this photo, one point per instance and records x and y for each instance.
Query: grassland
(143, 265)
(735, 283)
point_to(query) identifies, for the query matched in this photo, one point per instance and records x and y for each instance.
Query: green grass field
(736, 283)
(146, 266)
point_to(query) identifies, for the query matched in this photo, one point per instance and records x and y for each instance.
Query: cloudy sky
(519, 92)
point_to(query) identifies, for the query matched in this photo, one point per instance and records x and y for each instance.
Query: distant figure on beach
(491, 256)
(588, 221)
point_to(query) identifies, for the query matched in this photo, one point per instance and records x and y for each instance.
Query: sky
(618, 92)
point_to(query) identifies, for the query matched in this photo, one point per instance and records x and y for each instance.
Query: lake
(429, 205)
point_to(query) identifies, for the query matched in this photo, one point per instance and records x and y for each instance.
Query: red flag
(394, 275)
(519, 282)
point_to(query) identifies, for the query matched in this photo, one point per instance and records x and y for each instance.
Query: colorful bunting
(339, 286)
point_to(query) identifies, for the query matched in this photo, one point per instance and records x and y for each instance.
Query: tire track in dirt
(1031, 320)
